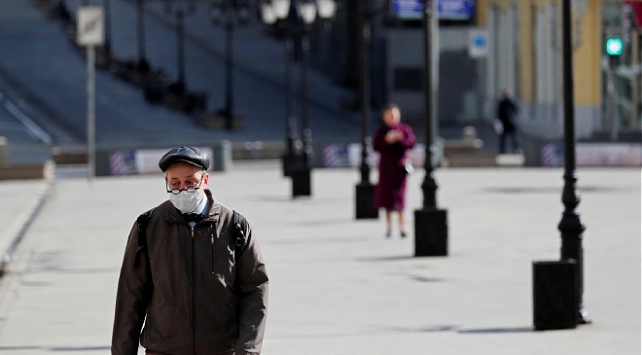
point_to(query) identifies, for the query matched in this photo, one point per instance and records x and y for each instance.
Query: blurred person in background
(392, 140)
(507, 125)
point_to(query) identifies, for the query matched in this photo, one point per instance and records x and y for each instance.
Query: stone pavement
(337, 285)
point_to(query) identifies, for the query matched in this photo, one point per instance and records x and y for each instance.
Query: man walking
(507, 113)
(192, 272)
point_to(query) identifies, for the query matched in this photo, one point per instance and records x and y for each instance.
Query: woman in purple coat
(392, 140)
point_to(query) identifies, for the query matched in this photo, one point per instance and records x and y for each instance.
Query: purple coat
(390, 192)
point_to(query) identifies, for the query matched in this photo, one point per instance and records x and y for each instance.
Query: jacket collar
(215, 207)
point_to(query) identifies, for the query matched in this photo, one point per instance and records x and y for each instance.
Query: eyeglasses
(191, 187)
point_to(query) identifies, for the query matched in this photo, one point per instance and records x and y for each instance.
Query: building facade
(513, 44)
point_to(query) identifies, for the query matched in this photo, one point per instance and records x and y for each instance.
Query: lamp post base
(289, 162)
(431, 232)
(365, 201)
(555, 295)
(301, 185)
(583, 316)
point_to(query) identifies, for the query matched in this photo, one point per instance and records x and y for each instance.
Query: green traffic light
(614, 46)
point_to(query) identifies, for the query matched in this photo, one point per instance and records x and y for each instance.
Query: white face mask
(186, 201)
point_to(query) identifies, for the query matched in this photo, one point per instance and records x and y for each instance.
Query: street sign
(90, 29)
(478, 43)
(407, 9)
(462, 10)
(90, 32)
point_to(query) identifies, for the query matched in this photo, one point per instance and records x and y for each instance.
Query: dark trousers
(514, 140)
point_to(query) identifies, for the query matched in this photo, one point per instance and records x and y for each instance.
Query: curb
(45, 171)
(24, 222)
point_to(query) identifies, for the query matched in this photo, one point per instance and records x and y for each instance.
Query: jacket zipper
(193, 278)
(212, 249)
(192, 227)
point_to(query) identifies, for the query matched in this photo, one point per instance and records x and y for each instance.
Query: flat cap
(189, 155)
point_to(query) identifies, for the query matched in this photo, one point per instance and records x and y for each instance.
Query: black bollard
(301, 184)
(555, 295)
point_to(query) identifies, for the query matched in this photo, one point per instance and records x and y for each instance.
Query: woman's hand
(390, 136)
(394, 136)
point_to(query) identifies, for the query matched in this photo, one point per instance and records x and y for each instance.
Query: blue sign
(456, 9)
(407, 9)
(446, 9)
(478, 43)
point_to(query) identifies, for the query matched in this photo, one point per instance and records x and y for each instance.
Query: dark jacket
(507, 112)
(194, 291)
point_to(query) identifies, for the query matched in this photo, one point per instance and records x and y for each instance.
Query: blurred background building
(487, 45)
(172, 56)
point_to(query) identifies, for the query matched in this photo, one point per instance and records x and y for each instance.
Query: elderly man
(192, 272)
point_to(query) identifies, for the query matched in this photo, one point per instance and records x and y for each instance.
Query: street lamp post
(234, 12)
(271, 13)
(306, 11)
(289, 158)
(365, 208)
(301, 172)
(431, 229)
(180, 9)
(570, 226)
(143, 65)
(558, 285)
(306, 132)
(107, 44)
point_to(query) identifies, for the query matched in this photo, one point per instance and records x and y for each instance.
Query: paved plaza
(337, 285)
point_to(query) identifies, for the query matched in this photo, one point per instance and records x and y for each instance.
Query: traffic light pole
(614, 48)
(611, 104)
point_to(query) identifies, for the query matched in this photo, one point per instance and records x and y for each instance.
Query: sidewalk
(21, 201)
(337, 285)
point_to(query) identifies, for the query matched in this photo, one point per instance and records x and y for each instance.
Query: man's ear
(206, 179)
